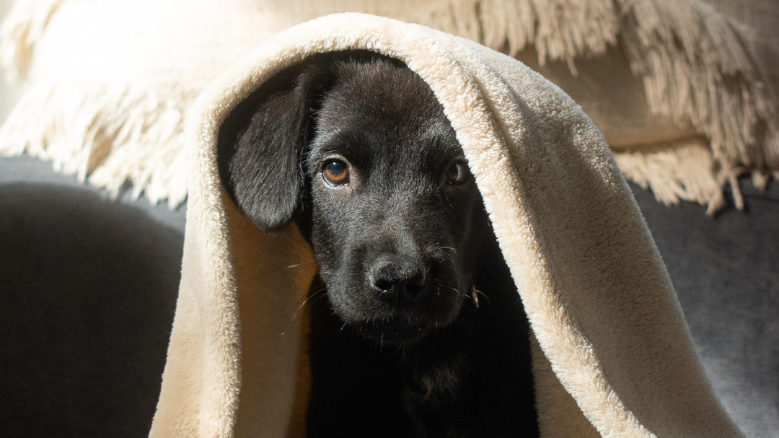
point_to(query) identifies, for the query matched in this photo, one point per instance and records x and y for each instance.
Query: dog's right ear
(263, 140)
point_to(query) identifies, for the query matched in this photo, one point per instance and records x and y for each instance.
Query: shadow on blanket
(87, 294)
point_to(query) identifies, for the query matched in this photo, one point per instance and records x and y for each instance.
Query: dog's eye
(457, 173)
(335, 173)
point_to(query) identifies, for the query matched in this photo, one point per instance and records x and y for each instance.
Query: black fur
(402, 345)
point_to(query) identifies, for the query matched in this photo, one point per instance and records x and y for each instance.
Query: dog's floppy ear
(262, 142)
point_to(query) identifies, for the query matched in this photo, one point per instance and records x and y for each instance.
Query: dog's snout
(397, 279)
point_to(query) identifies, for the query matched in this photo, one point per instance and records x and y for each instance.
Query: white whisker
(477, 292)
(316, 294)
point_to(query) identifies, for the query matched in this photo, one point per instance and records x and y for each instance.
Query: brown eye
(457, 173)
(335, 173)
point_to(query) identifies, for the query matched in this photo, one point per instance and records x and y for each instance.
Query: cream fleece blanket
(612, 355)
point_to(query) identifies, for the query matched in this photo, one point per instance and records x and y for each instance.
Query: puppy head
(396, 218)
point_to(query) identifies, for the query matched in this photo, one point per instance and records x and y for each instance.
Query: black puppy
(420, 332)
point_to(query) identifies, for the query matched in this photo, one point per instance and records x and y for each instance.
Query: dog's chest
(461, 384)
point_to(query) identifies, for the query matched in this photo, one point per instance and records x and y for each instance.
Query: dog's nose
(398, 280)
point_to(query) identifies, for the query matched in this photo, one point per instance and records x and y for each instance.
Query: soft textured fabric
(612, 355)
(677, 88)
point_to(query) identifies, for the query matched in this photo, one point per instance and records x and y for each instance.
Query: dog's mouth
(390, 324)
(402, 327)
(395, 331)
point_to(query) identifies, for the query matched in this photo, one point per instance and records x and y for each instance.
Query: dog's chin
(389, 324)
(398, 328)
(392, 333)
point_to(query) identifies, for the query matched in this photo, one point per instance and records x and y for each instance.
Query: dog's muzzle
(398, 280)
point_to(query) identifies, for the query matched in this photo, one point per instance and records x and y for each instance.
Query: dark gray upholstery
(88, 288)
(87, 294)
(726, 273)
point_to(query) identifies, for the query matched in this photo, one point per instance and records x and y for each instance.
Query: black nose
(398, 280)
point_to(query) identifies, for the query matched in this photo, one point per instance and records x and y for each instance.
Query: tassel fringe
(23, 26)
(107, 133)
(698, 68)
(683, 171)
(560, 29)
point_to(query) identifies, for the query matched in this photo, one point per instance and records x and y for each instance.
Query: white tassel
(683, 171)
(560, 29)
(108, 134)
(698, 68)
(24, 24)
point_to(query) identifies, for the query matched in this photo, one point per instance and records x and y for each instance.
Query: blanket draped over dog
(612, 355)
